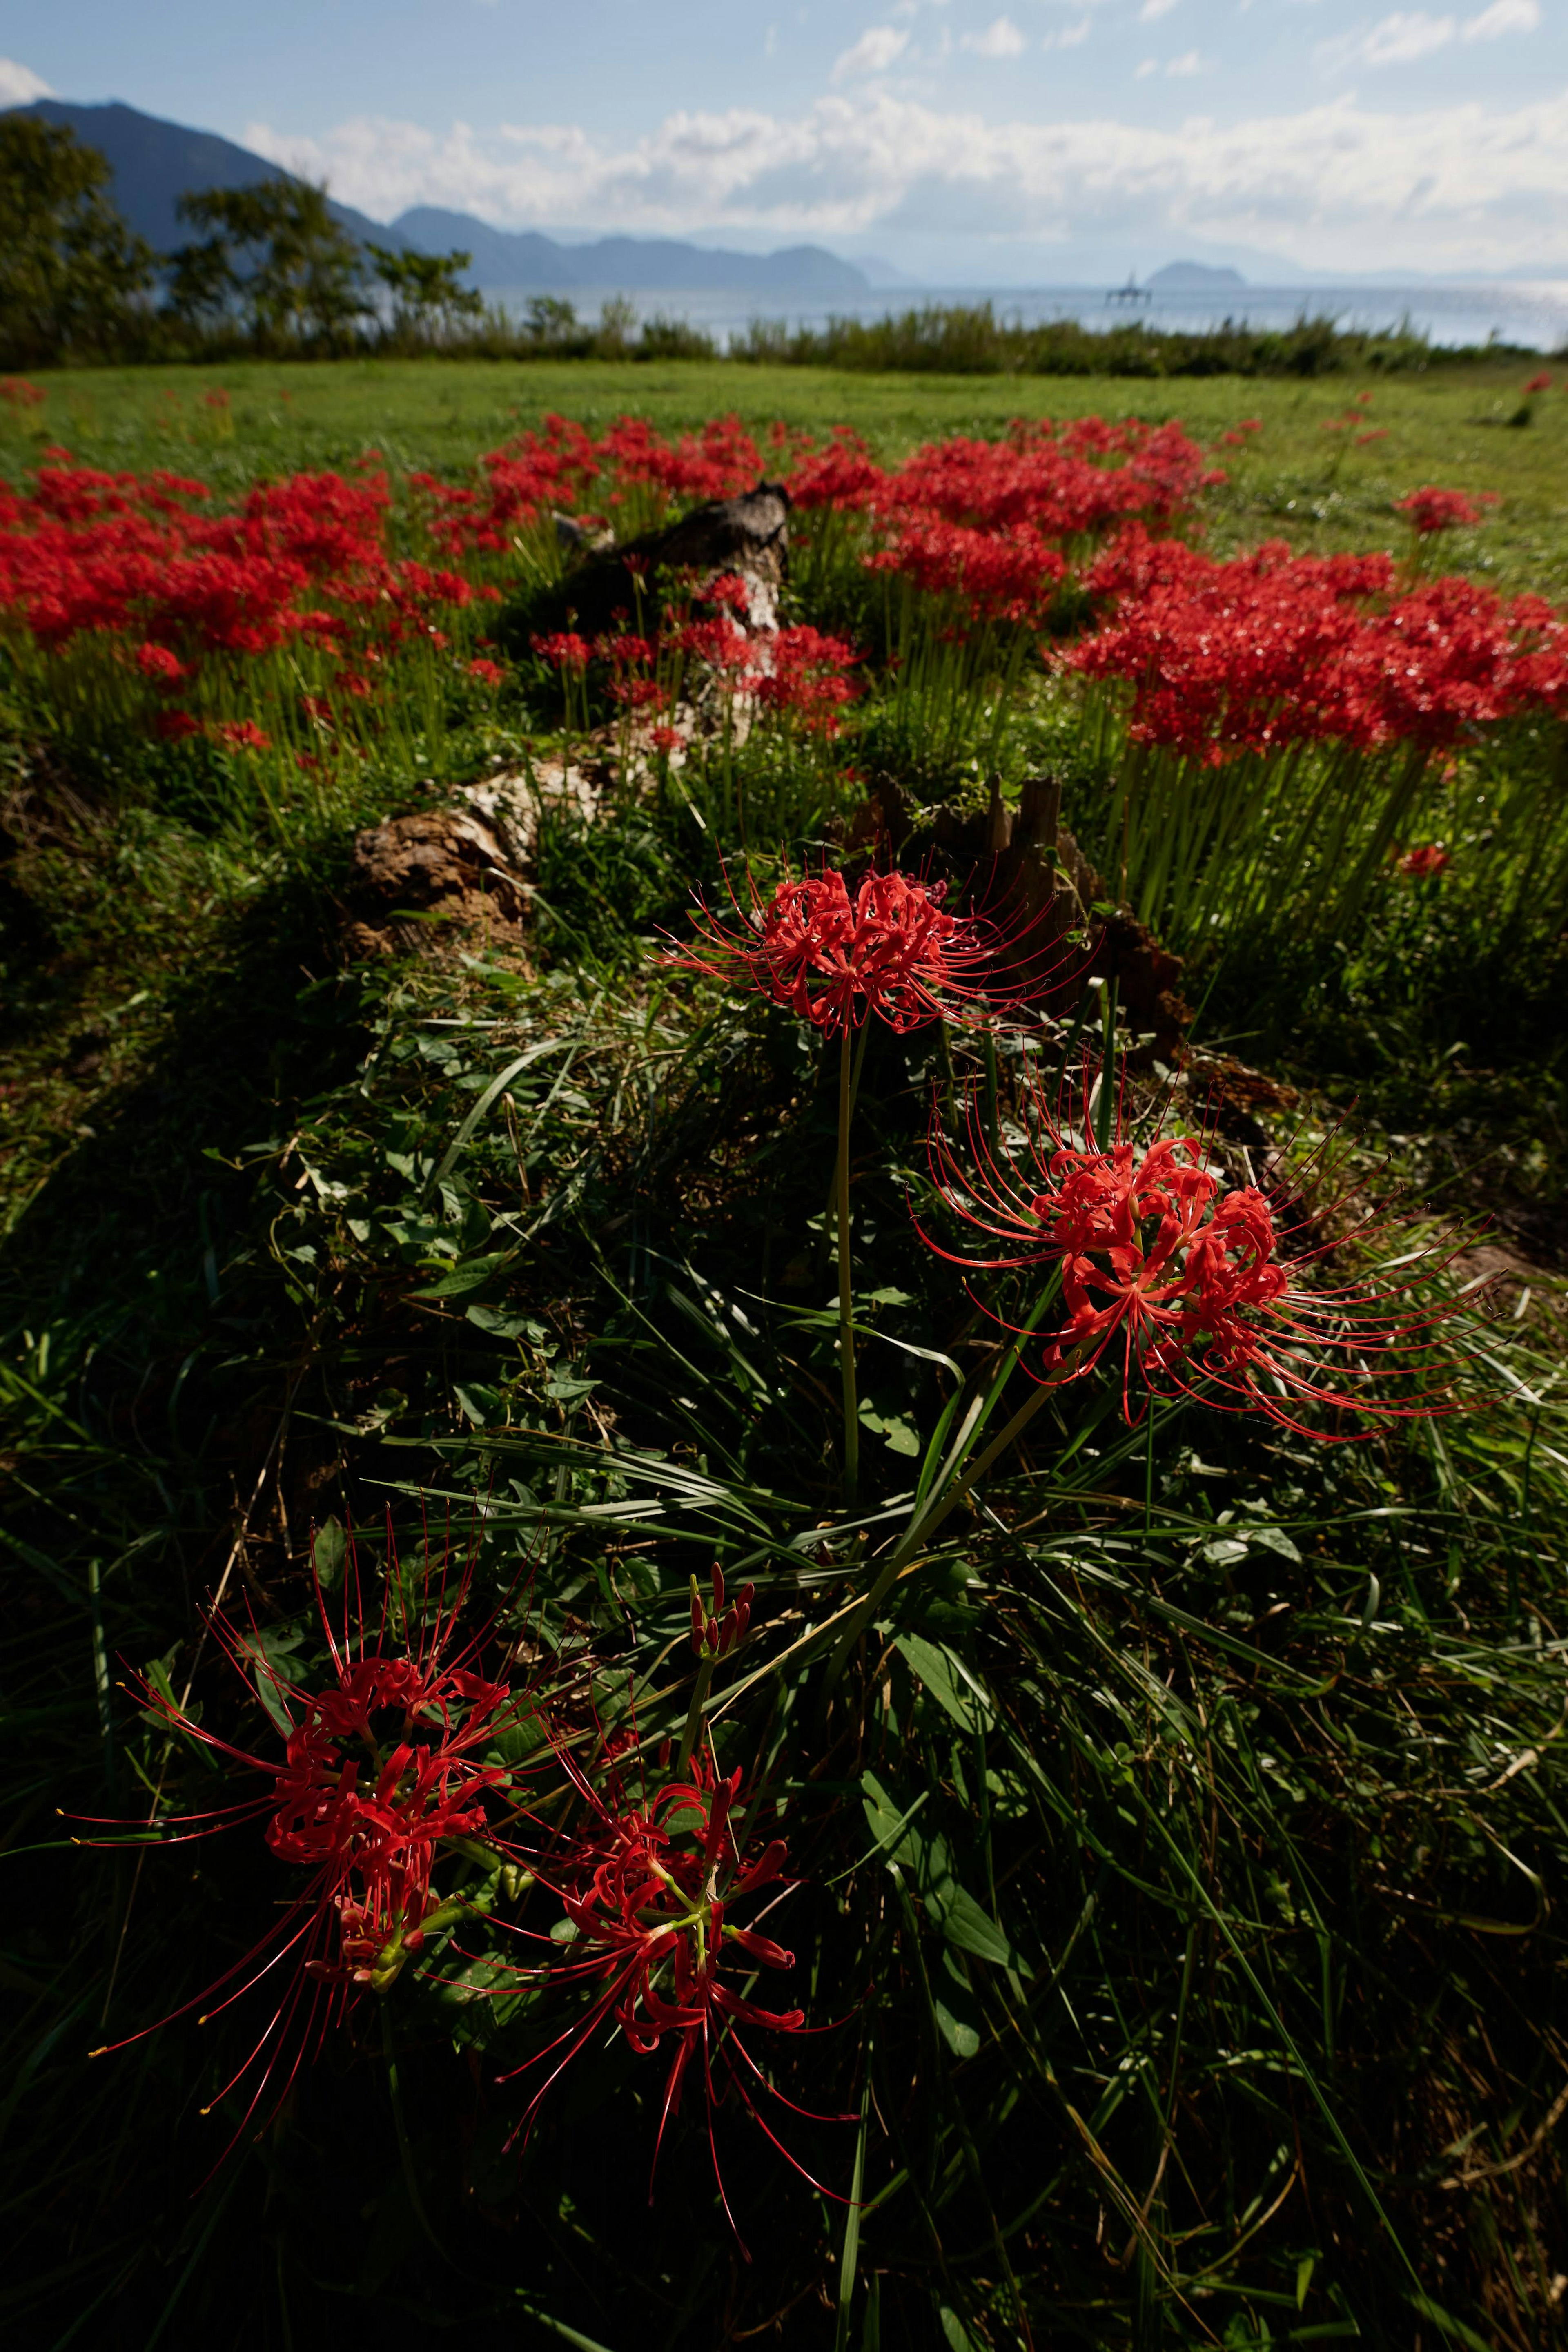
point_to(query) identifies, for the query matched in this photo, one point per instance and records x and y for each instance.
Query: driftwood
(607, 587)
(430, 882)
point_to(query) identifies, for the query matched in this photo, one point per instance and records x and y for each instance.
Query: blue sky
(1052, 138)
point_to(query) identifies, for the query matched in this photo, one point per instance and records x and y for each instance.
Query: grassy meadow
(1298, 482)
(1162, 1812)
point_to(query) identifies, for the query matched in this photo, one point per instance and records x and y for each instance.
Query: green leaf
(963, 1922)
(956, 2010)
(500, 1325)
(1276, 1539)
(478, 1404)
(471, 1276)
(329, 1552)
(944, 1678)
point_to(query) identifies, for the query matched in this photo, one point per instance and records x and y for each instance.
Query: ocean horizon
(1531, 312)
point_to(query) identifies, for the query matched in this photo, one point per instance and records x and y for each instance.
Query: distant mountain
(1196, 278)
(523, 260)
(154, 161)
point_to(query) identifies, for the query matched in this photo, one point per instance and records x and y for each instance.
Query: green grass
(1215, 1992)
(1300, 483)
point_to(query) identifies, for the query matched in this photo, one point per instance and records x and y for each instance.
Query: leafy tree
(430, 303)
(73, 278)
(274, 254)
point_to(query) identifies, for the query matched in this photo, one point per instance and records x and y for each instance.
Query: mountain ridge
(154, 161)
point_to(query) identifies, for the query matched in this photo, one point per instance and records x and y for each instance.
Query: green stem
(695, 1714)
(846, 1307)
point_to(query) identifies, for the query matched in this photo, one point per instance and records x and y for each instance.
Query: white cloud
(1503, 16)
(1400, 39)
(1001, 38)
(1149, 66)
(1455, 189)
(1396, 40)
(874, 53)
(1189, 62)
(1154, 9)
(19, 85)
(1071, 37)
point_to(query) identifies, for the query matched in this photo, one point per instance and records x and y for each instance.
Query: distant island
(1195, 277)
(154, 162)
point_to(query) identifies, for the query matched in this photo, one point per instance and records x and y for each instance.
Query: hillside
(154, 162)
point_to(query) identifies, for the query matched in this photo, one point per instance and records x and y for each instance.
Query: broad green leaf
(471, 1276)
(330, 1551)
(944, 1678)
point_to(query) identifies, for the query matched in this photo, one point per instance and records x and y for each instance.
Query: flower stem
(695, 1714)
(846, 1304)
(918, 1533)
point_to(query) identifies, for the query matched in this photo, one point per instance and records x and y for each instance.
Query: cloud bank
(1450, 189)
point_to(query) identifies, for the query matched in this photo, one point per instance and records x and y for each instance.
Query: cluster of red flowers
(1269, 648)
(1430, 510)
(558, 467)
(142, 562)
(381, 1770)
(988, 524)
(992, 575)
(796, 672)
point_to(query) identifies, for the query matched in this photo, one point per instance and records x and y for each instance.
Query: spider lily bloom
(894, 950)
(380, 1776)
(1430, 510)
(648, 1891)
(1194, 1285)
(1426, 862)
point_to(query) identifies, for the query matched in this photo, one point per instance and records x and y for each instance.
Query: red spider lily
(19, 395)
(806, 680)
(1271, 648)
(564, 650)
(1427, 862)
(380, 1774)
(156, 662)
(488, 673)
(241, 735)
(665, 739)
(997, 574)
(1194, 1284)
(1061, 481)
(893, 950)
(649, 1890)
(1430, 510)
(1541, 383)
(730, 590)
(842, 474)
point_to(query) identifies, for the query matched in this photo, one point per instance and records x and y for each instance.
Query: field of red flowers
(792, 1570)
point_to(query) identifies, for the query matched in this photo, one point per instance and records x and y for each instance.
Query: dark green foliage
(73, 281)
(273, 256)
(952, 338)
(430, 304)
